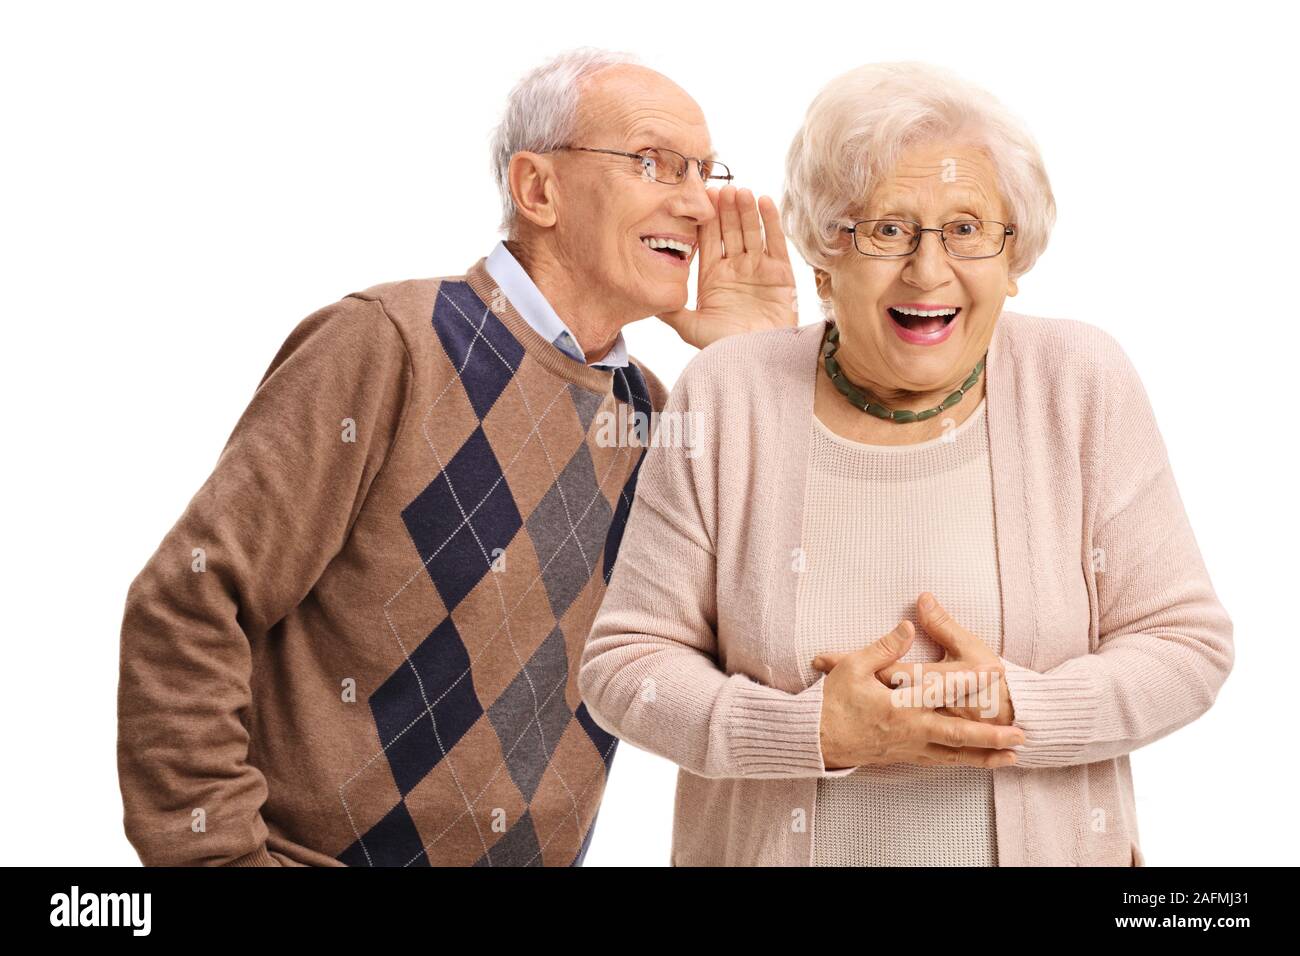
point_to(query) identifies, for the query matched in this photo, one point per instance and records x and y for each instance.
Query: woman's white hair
(862, 121)
(542, 112)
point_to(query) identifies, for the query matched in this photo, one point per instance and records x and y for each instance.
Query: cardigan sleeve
(248, 548)
(1165, 641)
(650, 671)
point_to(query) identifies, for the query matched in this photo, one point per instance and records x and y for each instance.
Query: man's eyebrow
(656, 137)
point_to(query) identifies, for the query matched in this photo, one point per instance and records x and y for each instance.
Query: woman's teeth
(670, 247)
(923, 320)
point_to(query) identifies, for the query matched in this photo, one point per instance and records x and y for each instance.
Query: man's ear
(532, 185)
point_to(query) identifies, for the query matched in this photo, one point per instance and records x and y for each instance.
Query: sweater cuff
(1057, 713)
(259, 857)
(774, 733)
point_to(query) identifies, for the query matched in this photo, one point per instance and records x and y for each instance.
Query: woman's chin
(933, 364)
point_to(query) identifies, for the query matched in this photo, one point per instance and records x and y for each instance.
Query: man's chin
(667, 301)
(657, 295)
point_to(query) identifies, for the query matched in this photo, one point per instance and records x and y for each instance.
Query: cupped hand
(745, 281)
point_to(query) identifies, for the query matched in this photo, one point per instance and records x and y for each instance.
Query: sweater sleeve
(651, 672)
(1165, 641)
(248, 548)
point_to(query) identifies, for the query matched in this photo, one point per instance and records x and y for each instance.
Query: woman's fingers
(941, 625)
(939, 755)
(878, 653)
(956, 732)
(955, 682)
(890, 647)
(827, 662)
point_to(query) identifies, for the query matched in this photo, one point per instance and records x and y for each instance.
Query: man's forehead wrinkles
(675, 136)
(648, 123)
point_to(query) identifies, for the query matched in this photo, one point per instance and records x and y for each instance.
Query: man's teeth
(654, 242)
(923, 313)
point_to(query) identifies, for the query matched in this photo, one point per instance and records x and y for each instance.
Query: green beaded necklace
(831, 344)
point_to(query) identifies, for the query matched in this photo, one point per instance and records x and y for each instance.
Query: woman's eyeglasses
(962, 238)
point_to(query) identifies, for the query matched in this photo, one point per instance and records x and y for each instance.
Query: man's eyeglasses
(962, 238)
(667, 165)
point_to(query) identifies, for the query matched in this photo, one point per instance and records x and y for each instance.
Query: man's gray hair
(542, 112)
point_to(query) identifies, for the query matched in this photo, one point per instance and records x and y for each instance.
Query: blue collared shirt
(532, 306)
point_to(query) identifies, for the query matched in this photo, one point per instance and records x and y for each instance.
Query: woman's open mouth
(923, 325)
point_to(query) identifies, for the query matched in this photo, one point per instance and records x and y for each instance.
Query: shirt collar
(532, 306)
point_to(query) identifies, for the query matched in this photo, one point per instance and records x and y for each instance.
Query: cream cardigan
(1113, 635)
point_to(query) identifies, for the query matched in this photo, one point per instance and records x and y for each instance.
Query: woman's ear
(823, 280)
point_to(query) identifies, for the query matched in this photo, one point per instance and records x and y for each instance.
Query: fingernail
(927, 602)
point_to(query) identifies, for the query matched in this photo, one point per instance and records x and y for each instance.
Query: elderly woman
(987, 490)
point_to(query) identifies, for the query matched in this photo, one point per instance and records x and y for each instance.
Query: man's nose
(691, 199)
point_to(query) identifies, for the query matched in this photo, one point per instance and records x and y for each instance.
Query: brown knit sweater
(359, 644)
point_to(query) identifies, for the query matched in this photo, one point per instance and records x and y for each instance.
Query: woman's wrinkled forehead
(938, 179)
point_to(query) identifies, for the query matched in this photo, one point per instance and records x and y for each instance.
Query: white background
(183, 184)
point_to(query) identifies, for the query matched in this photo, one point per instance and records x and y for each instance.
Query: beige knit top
(882, 523)
(692, 655)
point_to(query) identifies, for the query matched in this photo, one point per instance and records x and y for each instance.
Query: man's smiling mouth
(673, 248)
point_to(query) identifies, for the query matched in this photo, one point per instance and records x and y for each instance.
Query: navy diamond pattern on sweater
(619, 521)
(461, 518)
(457, 523)
(486, 354)
(604, 742)
(393, 841)
(426, 706)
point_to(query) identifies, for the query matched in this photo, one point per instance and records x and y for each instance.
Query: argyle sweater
(359, 644)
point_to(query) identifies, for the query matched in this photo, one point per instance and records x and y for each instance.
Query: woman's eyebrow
(968, 203)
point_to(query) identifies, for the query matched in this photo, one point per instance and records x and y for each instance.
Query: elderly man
(359, 644)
